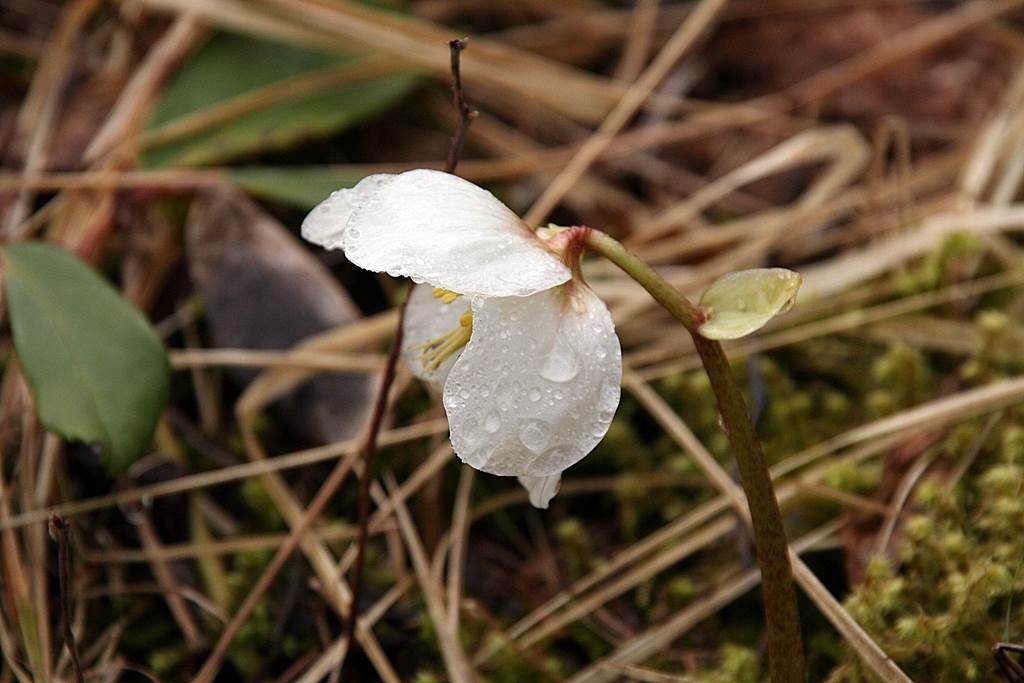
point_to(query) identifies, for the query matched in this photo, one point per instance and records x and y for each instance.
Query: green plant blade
(300, 186)
(96, 369)
(229, 66)
(739, 303)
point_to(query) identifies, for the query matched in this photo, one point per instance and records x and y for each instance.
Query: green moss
(957, 586)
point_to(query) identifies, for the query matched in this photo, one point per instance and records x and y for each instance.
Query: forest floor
(874, 146)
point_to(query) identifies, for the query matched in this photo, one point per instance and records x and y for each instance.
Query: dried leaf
(263, 289)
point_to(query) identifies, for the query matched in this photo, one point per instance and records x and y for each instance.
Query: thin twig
(323, 496)
(369, 451)
(59, 532)
(464, 115)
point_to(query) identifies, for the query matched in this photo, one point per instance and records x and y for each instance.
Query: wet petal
(428, 318)
(436, 228)
(537, 386)
(541, 489)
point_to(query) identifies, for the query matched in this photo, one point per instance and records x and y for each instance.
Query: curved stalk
(785, 649)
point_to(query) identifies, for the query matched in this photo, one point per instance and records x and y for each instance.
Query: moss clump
(736, 664)
(957, 586)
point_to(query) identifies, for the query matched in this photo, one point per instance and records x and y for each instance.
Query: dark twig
(464, 115)
(1012, 669)
(369, 451)
(323, 496)
(59, 533)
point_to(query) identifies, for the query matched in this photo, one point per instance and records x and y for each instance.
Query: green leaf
(96, 369)
(230, 65)
(740, 303)
(301, 186)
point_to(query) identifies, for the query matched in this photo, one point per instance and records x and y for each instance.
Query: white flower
(524, 352)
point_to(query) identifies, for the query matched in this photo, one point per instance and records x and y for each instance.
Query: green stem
(785, 650)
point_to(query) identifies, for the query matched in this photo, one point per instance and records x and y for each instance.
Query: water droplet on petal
(534, 394)
(492, 423)
(562, 362)
(535, 435)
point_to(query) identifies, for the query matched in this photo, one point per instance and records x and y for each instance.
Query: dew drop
(562, 363)
(534, 394)
(492, 423)
(535, 435)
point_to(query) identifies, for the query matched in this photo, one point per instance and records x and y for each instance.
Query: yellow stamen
(437, 351)
(445, 295)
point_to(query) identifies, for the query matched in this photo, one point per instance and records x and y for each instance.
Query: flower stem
(785, 650)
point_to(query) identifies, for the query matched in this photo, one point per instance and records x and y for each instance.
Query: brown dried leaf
(263, 290)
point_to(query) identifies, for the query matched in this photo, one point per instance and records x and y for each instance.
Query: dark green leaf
(230, 65)
(300, 186)
(97, 370)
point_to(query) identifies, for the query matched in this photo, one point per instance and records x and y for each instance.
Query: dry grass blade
(331, 658)
(168, 584)
(38, 115)
(460, 538)
(125, 120)
(887, 253)
(260, 98)
(456, 662)
(843, 146)
(866, 648)
(682, 40)
(287, 360)
(659, 637)
(221, 476)
(925, 35)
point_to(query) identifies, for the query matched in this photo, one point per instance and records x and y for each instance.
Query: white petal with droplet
(329, 219)
(436, 228)
(426, 319)
(538, 384)
(541, 489)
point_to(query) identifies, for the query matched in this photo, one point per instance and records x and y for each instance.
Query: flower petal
(541, 489)
(428, 318)
(437, 228)
(538, 384)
